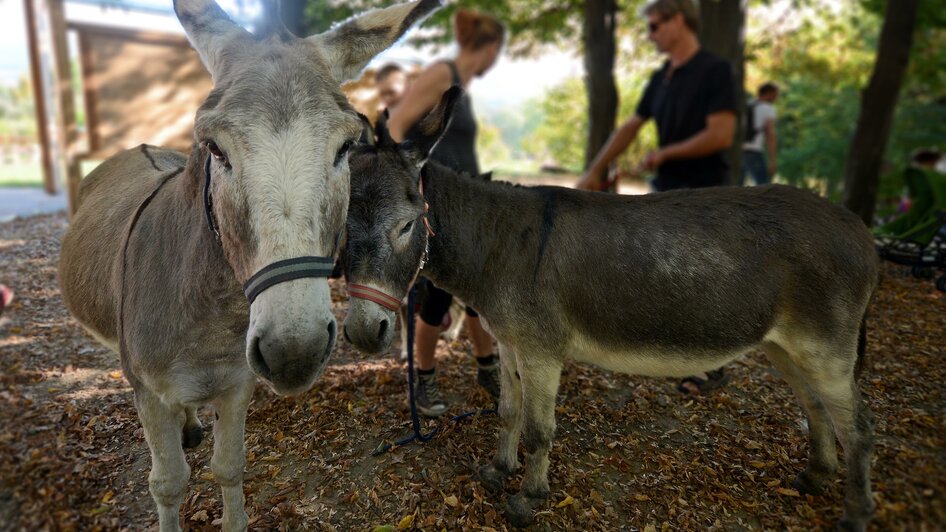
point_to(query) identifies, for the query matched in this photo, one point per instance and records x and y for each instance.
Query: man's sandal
(697, 386)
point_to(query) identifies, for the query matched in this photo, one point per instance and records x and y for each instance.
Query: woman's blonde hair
(473, 29)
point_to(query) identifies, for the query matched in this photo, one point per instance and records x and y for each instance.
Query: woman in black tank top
(480, 38)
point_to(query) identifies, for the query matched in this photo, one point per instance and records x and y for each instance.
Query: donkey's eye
(407, 227)
(216, 151)
(342, 152)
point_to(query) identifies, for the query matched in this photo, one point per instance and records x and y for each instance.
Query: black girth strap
(287, 270)
(209, 202)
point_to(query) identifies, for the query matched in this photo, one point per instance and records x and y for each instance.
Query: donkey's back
(714, 270)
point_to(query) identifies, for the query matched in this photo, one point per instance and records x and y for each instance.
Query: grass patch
(21, 176)
(31, 176)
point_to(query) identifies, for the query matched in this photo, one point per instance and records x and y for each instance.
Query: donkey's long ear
(210, 31)
(424, 136)
(349, 46)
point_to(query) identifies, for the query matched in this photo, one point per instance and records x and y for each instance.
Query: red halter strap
(372, 294)
(389, 302)
(420, 185)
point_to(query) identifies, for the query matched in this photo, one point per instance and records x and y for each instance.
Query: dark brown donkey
(667, 284)
(143, 272)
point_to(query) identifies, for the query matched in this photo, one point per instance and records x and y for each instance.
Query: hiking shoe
(427, 396)
(488, 377)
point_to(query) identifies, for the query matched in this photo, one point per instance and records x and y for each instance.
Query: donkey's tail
(861, 347)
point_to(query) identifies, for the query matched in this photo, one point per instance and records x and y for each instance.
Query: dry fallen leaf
(565, 502)
(406, 522)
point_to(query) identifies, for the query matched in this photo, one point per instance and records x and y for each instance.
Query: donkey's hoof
(857, 521)
(192, 436)
(847, 524)
(491, 478)
(519, 509)
(518, 512)
(807, 483)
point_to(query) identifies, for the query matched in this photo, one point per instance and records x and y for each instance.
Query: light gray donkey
(667, 284)
(141, 270)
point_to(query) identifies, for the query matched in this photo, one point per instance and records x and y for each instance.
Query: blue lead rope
(415, 419)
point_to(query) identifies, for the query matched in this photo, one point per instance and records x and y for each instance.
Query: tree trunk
(864, 159)
(292, 13)
(598, 37)
(722, 32)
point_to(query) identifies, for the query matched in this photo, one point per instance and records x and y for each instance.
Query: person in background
(692, 100)
(391, 81)
(761, 139)
(480, 39)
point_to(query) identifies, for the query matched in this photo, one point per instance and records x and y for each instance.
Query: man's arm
(617, 143)
(716, 136)
(771, 143)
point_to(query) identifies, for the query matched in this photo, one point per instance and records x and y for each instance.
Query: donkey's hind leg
(822, 452)
(830, 373)
(193, 430)
(169, 470)
(229, 457)
(540, 375)
(505, 462)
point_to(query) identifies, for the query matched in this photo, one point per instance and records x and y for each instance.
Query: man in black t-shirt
(692, 100)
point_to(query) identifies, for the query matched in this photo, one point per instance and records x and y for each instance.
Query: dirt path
(630, 452)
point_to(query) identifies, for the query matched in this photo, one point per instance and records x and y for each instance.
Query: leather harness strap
(372, 294)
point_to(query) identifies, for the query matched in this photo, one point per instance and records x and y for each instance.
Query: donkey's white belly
(652, 362)
(110, 343)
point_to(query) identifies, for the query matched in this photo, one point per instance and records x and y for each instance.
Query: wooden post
(67, 132)
(39, 99)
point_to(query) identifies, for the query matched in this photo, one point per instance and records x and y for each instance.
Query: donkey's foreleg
(229, 458)
(169, 470)
(540, 375)
(822, 452)
(505, 462)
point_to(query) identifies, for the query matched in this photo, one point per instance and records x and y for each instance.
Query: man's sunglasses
(654, 26)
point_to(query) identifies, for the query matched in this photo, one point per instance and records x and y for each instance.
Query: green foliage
(530, 23)
(490, 147)
(562, 133)
(17, 112)
(823, 59)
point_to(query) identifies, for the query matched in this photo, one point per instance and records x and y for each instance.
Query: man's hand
(654, 159)
(588, 182)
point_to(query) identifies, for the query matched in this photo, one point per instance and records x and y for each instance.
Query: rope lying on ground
(419, 436)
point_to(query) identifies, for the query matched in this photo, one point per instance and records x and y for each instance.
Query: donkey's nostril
(383, 329)
(257, 357)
